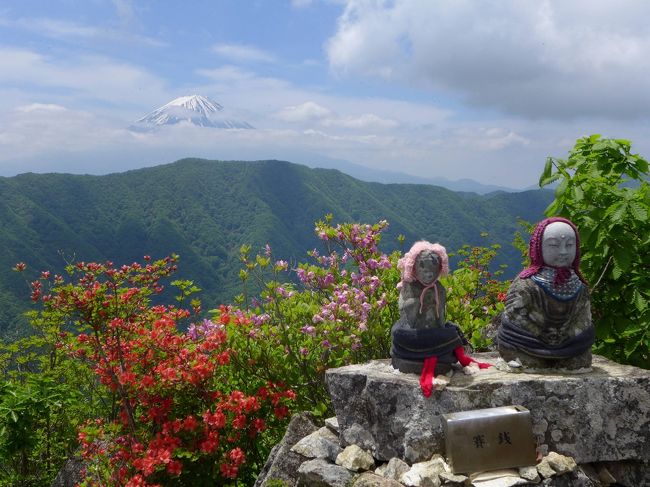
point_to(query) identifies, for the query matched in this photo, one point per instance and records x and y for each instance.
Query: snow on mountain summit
(197, 103)
(195, 110)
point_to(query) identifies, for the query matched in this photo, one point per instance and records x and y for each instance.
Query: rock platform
(602, 415)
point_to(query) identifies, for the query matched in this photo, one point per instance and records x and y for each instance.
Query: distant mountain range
(389, 177)
(194, 110)
(205, 210)
(201, 111)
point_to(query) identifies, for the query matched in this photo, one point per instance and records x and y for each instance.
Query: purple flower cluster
(342, 289)
(205, 328)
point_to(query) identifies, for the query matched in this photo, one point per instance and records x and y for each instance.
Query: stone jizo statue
(547, 319)
(423, 341)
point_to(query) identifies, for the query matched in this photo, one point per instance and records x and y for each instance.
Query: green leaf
(552, 208)
(630, 347)
(561, 189)
(319, 410)
(551, 179)
(600, 145)
(638, 211)
(639, 301)
(616, 212)
(262, 261)
(631, 331)
(642, 165)
(546, 174)
(622, 259)
(577, 193)
(591, 139)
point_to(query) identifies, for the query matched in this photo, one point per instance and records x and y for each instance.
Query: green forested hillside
(205, 210)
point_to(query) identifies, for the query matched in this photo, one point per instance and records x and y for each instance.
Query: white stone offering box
(489, 439)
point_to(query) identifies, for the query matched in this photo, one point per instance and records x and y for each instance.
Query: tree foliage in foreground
(603, 188)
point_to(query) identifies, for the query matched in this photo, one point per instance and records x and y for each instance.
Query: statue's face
(427, 267)
(558, 245)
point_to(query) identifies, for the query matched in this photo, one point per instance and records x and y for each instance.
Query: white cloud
(96, 78)
(227, 73)
(559, 60)
(482, 138)
(243, 53)
(64, 29)
(311, 112)
(38, 129)
(364, 121)
(41, 107)
(305, 112)
(232, 79)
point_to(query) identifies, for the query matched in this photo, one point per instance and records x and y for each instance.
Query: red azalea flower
(174, 467)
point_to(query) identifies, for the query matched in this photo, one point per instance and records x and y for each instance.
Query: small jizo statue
(423, 341)
(547, 320)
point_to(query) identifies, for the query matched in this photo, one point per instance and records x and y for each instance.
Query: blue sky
(458, 89)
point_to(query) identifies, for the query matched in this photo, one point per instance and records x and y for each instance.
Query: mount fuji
(195, 110)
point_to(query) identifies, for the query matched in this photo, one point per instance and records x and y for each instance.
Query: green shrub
(474, 294)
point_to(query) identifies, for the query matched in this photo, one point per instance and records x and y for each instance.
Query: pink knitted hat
(407, 263)
(535, 249)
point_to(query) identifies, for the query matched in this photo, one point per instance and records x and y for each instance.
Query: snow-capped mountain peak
(196, 103)
(195, 110)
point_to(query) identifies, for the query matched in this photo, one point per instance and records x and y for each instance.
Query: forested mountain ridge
(205, 210)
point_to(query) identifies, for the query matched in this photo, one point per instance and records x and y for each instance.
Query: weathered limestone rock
(282, 463)
(320, 444)
(355, 459)
(544, 468)
(333, 424)
(368, 479)
(425, 474)
(448, 477)
(381, 469)
(530, 474)
(560, 463)
(506, 477)
(395, 469)
(321, 473)
(602, 415)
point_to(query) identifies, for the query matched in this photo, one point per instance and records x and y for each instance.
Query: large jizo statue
(423, 341)
(547, 320)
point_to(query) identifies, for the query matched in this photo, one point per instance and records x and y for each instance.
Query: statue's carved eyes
(556, 244)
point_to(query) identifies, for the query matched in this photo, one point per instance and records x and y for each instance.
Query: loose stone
(355, 459)
(320, 473)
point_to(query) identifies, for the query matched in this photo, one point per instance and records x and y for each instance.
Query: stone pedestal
(599, 416)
